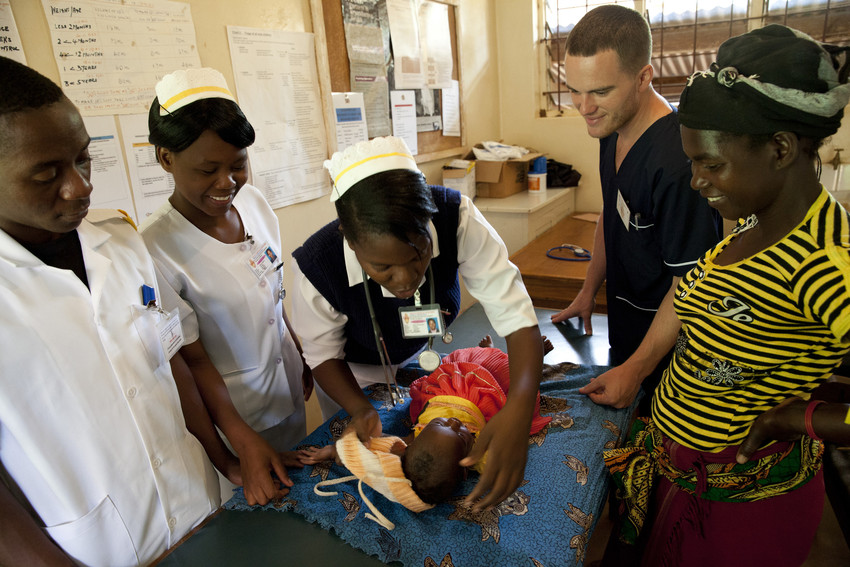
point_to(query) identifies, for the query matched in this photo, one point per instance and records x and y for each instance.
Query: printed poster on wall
(110, 189)
(277, 85)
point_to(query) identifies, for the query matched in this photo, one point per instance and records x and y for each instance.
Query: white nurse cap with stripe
(186, 86)
(363, 159)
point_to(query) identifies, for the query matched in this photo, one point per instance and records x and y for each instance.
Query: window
(686, 34)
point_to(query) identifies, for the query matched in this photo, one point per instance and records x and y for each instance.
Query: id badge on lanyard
(168, 327)
(425, 321)
(170, 332)
(421, 321)
(262, 259)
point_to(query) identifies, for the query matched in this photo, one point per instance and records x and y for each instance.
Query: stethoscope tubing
(581, 255)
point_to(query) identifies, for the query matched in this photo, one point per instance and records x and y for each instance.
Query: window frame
(757, 14)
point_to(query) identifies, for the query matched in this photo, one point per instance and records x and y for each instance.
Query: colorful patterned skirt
(706, 509)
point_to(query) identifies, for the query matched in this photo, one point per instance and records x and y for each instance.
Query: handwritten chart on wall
(110, 54)
(10, 39)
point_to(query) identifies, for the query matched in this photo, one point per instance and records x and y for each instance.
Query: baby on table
(449, 408)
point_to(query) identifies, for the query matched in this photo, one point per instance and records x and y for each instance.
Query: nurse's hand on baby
(366, 422)
(505, 441)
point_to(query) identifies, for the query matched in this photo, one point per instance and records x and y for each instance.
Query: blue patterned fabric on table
(547, 522)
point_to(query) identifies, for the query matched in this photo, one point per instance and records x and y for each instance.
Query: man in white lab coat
(97, 463)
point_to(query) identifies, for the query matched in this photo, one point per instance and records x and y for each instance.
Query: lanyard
(392, 385)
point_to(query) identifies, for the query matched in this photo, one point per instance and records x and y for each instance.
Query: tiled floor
(828, 550)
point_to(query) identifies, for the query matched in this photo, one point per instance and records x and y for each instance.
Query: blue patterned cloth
(547, 522)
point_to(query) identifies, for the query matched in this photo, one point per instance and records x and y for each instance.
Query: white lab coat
(489, 276)
(238, 316)
(91, 429)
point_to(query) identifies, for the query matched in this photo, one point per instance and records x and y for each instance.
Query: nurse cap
(183, 87)
(363, 159)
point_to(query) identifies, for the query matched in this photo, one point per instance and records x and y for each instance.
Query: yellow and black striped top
(758, 331)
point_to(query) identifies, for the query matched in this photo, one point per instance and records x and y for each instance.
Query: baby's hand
(291, 459)
(313, 455)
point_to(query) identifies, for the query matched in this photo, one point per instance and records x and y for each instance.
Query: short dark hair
(423, 471)
(613, 27)
(178, 130)
(396, 202)
(23, 88)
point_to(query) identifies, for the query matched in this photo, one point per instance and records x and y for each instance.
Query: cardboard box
(459, 174)
(498, 179)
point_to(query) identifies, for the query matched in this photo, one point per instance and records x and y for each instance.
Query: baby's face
(432, 460)
(447, 437)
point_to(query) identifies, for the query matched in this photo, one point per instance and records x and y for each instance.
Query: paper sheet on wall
(436, 44)
(350, 119)
(428, 112)
(277, 86)
(108, 176)
(407, 54)
(366, 37)
(451, 110)
(404, 118)
(367, 43)
(371, 80)
(151, 184)
(10, 39)
(111, 54)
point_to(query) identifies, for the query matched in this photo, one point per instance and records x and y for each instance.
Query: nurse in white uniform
(96, 463)
(216, 242)
(368, 283)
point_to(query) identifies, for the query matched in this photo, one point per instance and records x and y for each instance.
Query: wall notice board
(334, 70)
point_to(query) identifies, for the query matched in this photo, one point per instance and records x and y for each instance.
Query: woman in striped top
(728, 469)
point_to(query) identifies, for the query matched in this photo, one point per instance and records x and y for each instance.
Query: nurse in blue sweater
(367, 283)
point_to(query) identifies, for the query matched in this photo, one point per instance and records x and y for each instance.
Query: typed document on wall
(277, 86)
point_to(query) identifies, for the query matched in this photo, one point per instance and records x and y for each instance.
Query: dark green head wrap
(769, 80)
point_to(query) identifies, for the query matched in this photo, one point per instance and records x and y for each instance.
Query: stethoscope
(428, 359)
(581, 255)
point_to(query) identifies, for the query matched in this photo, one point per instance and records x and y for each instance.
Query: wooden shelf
(554, 283)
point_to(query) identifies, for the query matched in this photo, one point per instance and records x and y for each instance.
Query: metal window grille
(687, 33)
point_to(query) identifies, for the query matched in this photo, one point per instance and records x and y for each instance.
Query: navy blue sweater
(322, 262)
